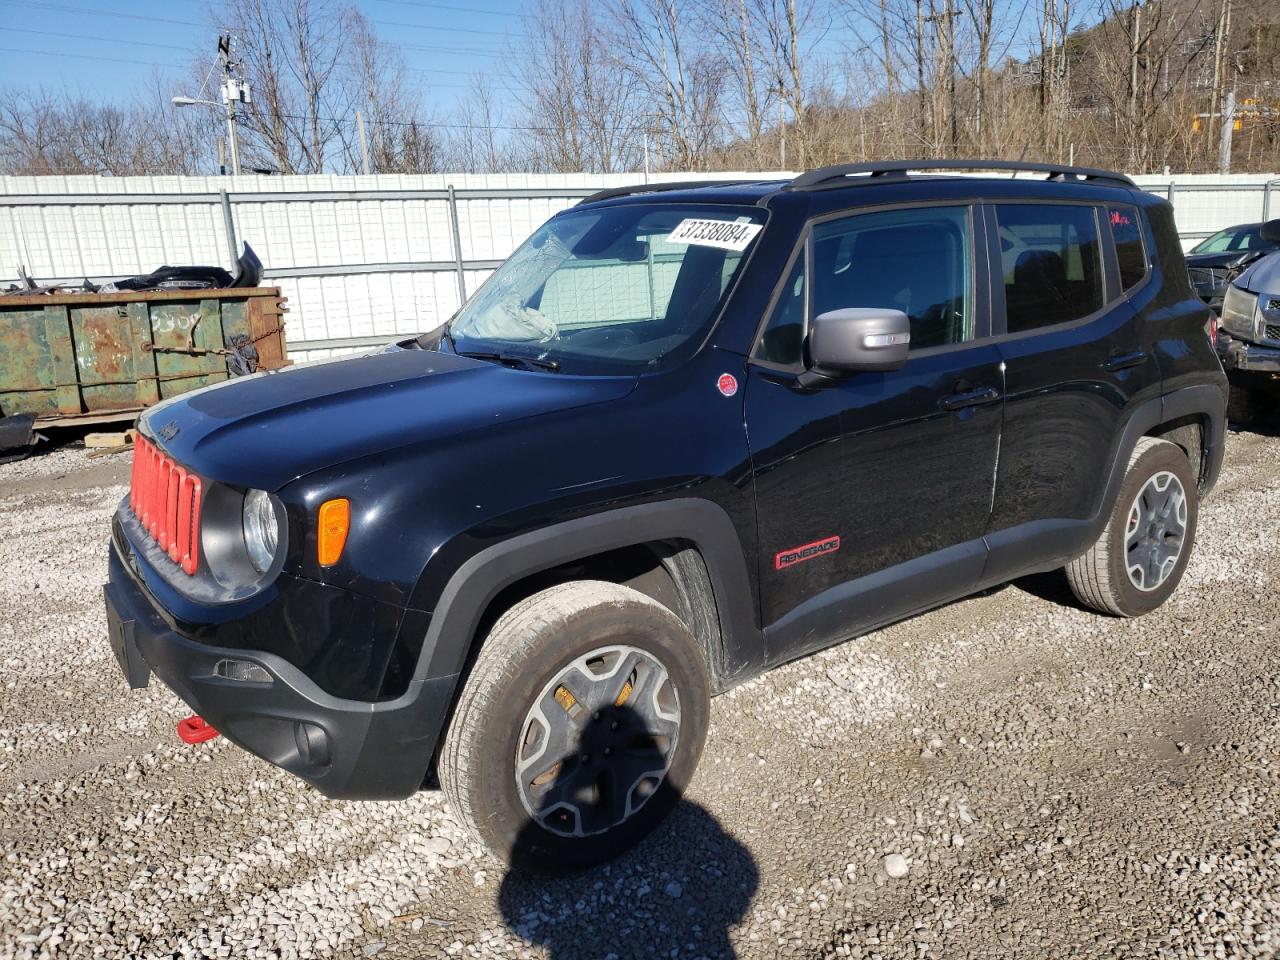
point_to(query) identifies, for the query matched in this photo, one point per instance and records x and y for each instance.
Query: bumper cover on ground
(348, 749)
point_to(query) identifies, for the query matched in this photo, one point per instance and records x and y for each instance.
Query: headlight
(261, 531)
(1239, 310)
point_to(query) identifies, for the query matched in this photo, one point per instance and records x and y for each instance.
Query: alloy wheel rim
(598, 741)
(1156, 531)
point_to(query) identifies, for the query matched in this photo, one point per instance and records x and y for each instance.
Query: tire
(505, 766)
(1253, 400)
(1128, 573)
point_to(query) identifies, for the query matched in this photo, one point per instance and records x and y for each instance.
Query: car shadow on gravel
(681, 890)
(678, 892)
(1051, 586)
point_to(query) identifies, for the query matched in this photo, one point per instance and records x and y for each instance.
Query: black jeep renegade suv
(684, 434)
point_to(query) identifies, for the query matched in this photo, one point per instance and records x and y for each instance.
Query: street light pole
(231, 131)
(233, 91)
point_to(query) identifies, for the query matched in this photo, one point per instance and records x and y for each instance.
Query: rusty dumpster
(97, 357)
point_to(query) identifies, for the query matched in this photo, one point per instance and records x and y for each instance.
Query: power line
(433, 124)
(445, 6)
(423, 26)
(86, 56)
(86, 11)
(157, 63)
(82, 36)
(432, 48)
(98, 13)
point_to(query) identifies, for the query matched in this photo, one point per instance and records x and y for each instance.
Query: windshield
(1231, 240)
(623, 289)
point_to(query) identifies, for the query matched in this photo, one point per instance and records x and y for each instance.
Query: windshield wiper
(513, 359)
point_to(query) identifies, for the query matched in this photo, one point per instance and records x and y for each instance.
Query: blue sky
(109, 49)
(112, 49)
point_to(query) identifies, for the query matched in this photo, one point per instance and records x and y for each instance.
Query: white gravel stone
(896, 866)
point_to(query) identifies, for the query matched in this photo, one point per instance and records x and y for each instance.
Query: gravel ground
(1009, 776)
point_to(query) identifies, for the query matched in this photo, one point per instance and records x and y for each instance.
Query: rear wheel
(579, 727)
(1143, 551)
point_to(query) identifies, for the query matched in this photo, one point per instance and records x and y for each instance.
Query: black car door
(1077, 359)
(873, 492)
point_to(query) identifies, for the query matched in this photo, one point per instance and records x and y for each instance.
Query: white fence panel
(365, 259)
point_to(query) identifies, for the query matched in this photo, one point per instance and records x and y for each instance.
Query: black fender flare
(474, 585)
(1207, 400)
(1049, 543)
(1201, 400)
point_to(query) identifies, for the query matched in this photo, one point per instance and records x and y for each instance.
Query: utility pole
(364, 143)
(945, 22)
(782, 132)
(1228, 128)
(233, 91)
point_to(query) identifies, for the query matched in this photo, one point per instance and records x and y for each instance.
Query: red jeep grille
(166, 500)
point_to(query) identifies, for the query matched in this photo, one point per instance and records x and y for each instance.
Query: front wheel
(1143, 551)
(579, 727)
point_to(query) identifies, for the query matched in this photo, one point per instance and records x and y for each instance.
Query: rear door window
(1051, 263)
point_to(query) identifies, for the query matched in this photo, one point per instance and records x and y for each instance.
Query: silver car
(1249, 330)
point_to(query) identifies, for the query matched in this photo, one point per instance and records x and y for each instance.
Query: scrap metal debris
(248, 274)
(17, 436)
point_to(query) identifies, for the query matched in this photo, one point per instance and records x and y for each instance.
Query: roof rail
(612, 192)
(825, 177)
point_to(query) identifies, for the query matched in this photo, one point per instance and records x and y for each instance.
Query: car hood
(1228, 259)
(270, 428)
(1263, 276)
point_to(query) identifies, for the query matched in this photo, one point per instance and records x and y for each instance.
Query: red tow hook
(194, 730)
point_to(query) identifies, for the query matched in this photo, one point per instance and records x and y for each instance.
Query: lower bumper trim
(347, 749)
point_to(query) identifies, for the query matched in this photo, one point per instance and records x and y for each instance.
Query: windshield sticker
(725, 234)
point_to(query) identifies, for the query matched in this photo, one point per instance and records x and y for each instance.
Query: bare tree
(296, 56)
(400, 137)
(583, 114)
(43, 134)
(737, 30)
(476, 142)
(656, 45)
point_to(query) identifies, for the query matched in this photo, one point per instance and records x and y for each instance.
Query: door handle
(971, 398)
(1123, 361)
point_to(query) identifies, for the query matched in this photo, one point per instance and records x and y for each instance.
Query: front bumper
(347, 749)
(1241, 355)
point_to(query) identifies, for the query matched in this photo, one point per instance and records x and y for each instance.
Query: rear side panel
(1175, 314)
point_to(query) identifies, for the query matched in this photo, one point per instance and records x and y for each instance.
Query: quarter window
(783, 339)
(1126, 231)
(1052, 272)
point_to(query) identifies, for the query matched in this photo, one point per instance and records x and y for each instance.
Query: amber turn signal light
(335, 519)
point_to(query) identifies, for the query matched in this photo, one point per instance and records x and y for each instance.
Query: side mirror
(858, 338)
(1270, 231)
